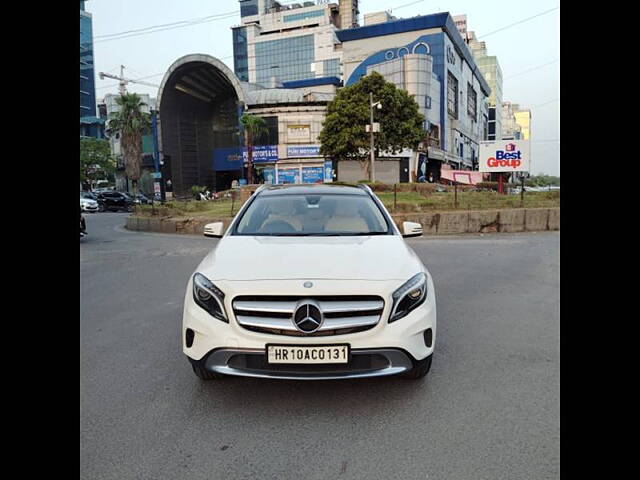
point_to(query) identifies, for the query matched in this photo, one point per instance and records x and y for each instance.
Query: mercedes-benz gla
(310, 282)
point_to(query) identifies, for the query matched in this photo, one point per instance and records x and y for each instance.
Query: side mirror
(411, 229)
(214, 230)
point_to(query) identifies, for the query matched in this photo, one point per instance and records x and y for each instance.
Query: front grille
(342, 314)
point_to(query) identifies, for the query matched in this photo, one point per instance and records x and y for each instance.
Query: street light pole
(373, 168)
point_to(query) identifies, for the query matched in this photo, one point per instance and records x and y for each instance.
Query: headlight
(209, 297)
(410, 295)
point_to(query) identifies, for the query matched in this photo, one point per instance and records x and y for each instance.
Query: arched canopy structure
(200, 101)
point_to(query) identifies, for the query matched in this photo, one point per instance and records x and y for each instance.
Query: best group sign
(505, 156)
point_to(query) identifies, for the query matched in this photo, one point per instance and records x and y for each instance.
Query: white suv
(310, 282)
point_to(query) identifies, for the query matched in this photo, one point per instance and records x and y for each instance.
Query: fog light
(188, 337)
(428, 337)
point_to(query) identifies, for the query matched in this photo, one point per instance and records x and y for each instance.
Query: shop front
(302, 164)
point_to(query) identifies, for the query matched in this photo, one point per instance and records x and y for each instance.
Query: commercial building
(90, 124)
(523, 119)
(283, 43)
(511, 130)
(87, 74)
(289, 61)
(492, 73)
(427, 56)
(200, 138)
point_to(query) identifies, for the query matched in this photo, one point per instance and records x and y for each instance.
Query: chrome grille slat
(348, 322)
(266, 322)
(269, 307)
(343, 314)
(351, 306)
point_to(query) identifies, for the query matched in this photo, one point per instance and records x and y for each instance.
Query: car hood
(384, 257)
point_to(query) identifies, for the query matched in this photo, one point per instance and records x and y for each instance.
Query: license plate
(308, 354)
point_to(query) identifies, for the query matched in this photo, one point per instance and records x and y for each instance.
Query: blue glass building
(87, 74)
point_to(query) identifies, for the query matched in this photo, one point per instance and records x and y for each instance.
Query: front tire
(202, 373)
(420, 369)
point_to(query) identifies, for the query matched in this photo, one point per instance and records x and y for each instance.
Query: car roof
(318, 189)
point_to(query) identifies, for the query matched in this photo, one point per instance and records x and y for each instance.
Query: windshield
(312, 215)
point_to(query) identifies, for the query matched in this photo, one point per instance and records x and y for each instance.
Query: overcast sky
(521, 48)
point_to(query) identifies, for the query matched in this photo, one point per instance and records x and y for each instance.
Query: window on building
(452, 95)
(287, 59)
(301, 16)
(240, 65)
(331, 67)
(472, 98)
(485, 123)
(427, 102)
(248, 8)
(271, 137)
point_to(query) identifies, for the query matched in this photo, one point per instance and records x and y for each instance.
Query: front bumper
(364, 363)
(89, 208)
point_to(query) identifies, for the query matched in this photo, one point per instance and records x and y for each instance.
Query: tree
(254, 128)
(96, 161)
(132, 123)
(343, 134)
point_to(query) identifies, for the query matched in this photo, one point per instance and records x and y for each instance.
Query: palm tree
(132, 123)
(254, 128)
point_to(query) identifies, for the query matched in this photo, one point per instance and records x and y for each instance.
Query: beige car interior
(334, 216)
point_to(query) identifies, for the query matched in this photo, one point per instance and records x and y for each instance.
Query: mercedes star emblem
(307, 316)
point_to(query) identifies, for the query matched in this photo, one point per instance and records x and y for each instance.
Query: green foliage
(96, 162)
(487, 186)
(254, 127)
(196, 189)
(343, 134)
(542, 180)
(132, 123)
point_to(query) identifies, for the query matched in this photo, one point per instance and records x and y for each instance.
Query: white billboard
(505, 156)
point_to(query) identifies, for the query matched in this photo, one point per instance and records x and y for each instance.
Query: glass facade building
(248, 8)
(240, 53)
(287, 59)
(87, 74)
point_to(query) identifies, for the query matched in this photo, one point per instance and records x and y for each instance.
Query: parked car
(140, 199)
(88, 204)
(352, 299)
(89, 195)
(114, 201)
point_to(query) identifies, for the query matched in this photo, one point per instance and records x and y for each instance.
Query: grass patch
(192, 209)
(407, 202)
(414, 202)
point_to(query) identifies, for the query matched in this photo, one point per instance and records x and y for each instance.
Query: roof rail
(261, 187)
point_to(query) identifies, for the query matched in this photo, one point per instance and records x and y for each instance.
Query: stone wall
(433, 223)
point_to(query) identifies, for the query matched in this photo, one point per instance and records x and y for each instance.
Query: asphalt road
(489, 409)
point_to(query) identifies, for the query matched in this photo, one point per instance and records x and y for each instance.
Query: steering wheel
(278, 226)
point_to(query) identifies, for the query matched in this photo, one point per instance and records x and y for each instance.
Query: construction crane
(123, 81)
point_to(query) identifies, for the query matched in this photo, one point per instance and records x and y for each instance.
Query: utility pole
(372, 173)
(373, 168)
